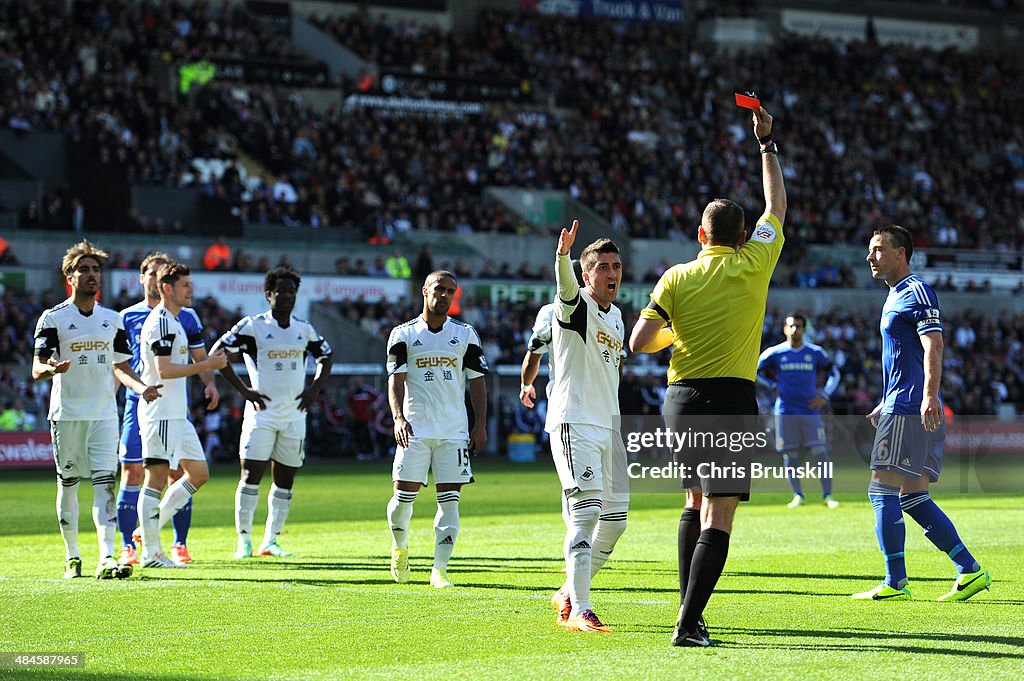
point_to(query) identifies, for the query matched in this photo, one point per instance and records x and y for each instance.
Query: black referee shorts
(718, 410)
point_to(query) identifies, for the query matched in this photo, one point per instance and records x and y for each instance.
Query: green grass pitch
(782, 609)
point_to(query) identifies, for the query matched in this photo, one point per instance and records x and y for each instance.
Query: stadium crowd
(639, 139)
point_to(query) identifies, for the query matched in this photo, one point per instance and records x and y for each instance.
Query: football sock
(246, 498)
(67, 515)
(399, 515)
(689, 532)
(104, 513)
(708, 563)
(149, 521)
(584, 513)
(794, 482)
(826, 480)
(446, 527)
(891, 532)
(939, 529)
(279, 502)
(610, 527)
(182, 521)
(178, 495)
(128, 512)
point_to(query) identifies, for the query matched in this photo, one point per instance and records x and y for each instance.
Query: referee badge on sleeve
(765, 232)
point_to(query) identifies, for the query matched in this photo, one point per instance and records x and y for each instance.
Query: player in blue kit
(130, 450)
(796, 366)
(907, 452)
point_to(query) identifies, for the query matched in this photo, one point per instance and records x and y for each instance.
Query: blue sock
(794, 482)
(826, 481)
(182, 520)
(128, 512)
(938, 529)
(891, 532)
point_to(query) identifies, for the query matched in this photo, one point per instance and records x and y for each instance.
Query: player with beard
(587, 349)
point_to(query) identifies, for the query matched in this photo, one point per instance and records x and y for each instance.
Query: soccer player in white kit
(538, 346)
(587, 348)
(168, 438)
(430, 360)
(78, 344)
(274, 345)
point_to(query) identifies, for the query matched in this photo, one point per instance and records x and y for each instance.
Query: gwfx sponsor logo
(612, 342)
(88, 346)
(428, 362)
(284, 354)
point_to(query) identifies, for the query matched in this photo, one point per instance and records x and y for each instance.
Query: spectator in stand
(363, 402)
(217, 256)
(7, 256)
(30, 218)
(379, 269)
(397, 266)
(15, 418)
(424, 264)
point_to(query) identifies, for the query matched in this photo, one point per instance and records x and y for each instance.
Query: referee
(711, 311)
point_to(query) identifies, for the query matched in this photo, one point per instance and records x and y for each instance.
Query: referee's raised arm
(771, 171)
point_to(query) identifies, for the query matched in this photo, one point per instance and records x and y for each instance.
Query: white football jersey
(163, 336)
(93, 343)
(437, 364)
(540, 339)
(586, 350)
(276, 360)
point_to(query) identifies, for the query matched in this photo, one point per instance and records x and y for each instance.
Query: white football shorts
(447, 459)
(84, 447)
(282, 442)
(171, 440)
(591, 459)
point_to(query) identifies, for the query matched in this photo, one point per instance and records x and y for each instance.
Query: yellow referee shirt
(716, 306)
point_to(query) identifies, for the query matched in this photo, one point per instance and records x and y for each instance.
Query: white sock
(446, 527)
(177, 496)
(399, 516)
(67, 515)
(246, 498)
(584, 511)
(149, 521)
(104, 511)
(609, 528)
(279, 502)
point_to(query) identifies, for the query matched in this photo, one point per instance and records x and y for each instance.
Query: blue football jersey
(910, 311)
(796, 375)
(135, 316)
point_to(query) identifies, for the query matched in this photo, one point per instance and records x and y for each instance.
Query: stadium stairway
(352, 344)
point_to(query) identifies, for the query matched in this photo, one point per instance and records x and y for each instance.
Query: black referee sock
(708, 563)
(689, 532)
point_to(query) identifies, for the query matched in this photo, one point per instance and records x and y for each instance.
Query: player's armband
(162, 347)
(398, 358)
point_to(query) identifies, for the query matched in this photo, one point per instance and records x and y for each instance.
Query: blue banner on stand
(666, 11)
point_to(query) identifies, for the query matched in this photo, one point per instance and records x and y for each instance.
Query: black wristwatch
(770, 148)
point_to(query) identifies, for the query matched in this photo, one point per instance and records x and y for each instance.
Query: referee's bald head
(723, 223)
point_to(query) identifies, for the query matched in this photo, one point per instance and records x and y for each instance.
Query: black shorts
(725, 407)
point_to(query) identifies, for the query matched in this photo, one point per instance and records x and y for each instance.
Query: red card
(748, 102)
